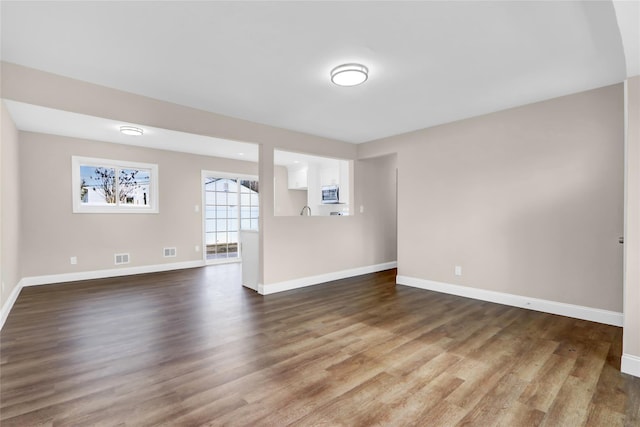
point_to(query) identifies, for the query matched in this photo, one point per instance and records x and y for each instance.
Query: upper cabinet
(298, 179)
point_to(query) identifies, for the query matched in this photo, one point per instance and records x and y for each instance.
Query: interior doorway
(230, 204)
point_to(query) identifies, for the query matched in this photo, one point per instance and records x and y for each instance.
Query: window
(249, 205)
(231, 203)
(104, 186)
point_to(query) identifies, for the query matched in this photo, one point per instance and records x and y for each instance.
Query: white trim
(8, 305)
(302, 282)
(101, 274)
(228, 175)
(630, 365)
(570, 310)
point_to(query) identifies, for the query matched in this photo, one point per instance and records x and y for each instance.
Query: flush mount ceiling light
(349, 74)
(131, 130)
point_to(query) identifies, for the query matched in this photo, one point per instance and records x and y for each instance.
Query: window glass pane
(245, 224)
(232, 225)
(233, 199)
(221, 198)
(133, 186)
(254, 224)
(254, 199)
(221, 237)
(233, 237)
(221, 224)
(210, 238)
(220, 184)
(210, 225)
(252, 185)
(210, 212)
(97, 185)
(221, 211)
(232, 212)
(245, 199)
(209, 184)
(210, 198)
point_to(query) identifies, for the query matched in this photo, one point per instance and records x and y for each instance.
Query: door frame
(203, 209)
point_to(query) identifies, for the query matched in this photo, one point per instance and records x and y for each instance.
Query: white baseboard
(88, 275)
(8, 305)
(630, 365)
(302, 282)
(114, 272)
(576, 311)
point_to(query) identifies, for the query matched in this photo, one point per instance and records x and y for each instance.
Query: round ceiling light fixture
(349, 74)
(131, 130)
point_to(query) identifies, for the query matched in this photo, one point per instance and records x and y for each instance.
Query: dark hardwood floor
(195, 348)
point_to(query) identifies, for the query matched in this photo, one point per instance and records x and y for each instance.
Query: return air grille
(121, 259)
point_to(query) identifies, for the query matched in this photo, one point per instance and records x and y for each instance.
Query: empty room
(340, 213)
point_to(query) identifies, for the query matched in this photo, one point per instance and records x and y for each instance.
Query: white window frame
(79, 207)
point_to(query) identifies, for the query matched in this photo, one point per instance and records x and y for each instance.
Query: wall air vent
(169, 252)
(121, 259)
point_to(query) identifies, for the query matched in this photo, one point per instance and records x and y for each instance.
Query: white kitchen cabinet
(298, 179)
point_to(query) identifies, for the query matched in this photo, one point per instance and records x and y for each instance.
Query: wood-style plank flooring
(193, 347)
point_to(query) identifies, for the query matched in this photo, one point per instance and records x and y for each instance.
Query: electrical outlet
(458, 270)
(73, 260)
(197, 248)
(361, 208)
(196, 208)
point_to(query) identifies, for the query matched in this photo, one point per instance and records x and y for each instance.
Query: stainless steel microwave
(330, 194)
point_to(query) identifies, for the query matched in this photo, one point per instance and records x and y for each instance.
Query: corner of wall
(10, 210)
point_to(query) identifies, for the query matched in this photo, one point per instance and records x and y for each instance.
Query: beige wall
(334, 243)
(540, 185)
(529, 201)
(289, 247)
(631, 345)
(377, 197)
(49, 90)
(287, 202)
(52, 233)
(10, 207)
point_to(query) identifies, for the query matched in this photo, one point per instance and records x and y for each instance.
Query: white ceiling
(269, 62)
(34, 118)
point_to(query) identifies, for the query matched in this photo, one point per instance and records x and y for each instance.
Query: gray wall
(529, 201)
(292, 247)
(377, 197)
(632, 232)
(51, 233)
(10, 207)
